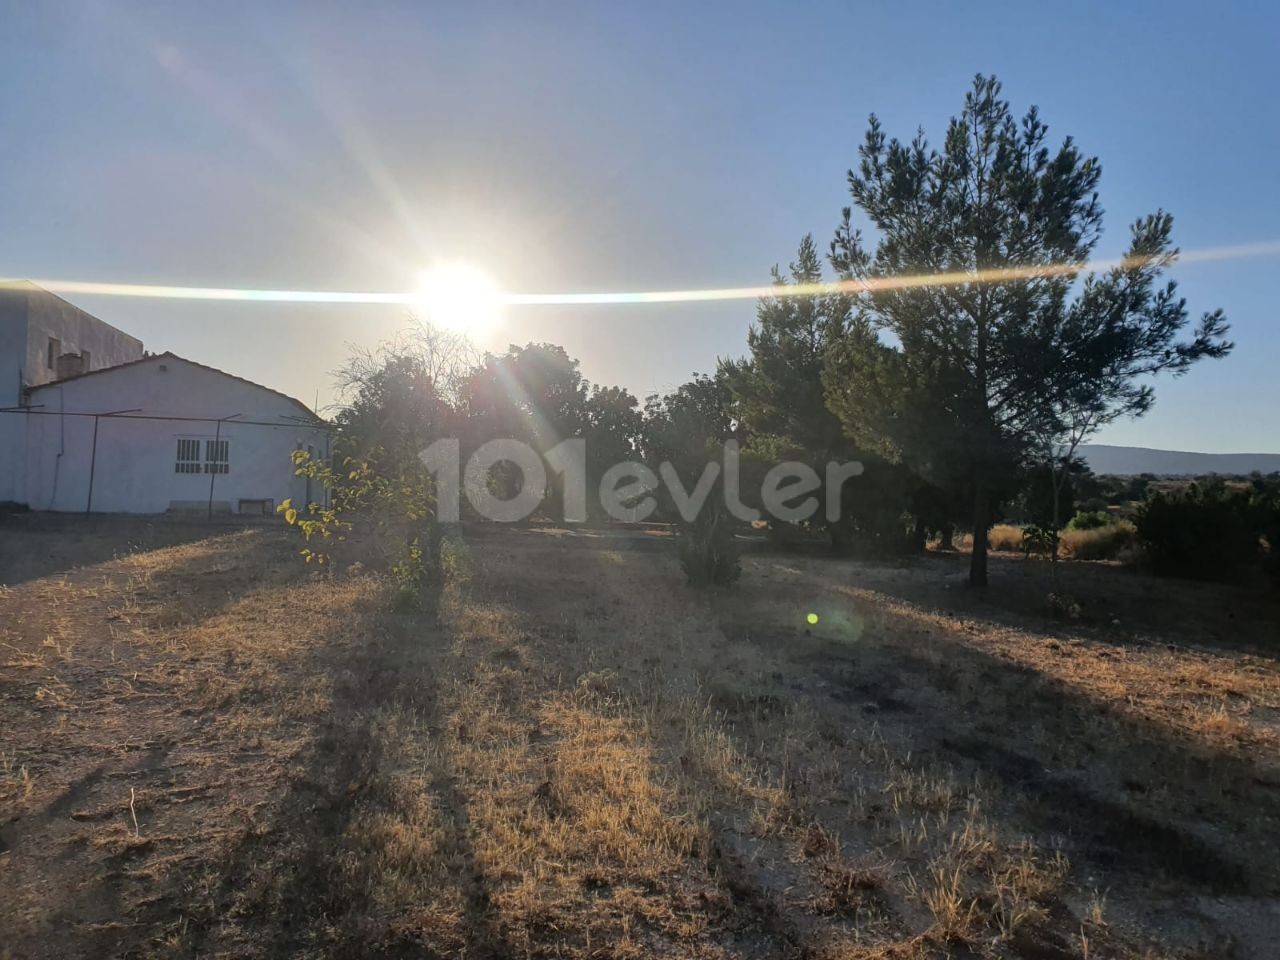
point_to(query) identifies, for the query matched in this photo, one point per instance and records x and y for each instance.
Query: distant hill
(1128, 461)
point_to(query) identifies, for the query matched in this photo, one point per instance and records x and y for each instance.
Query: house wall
(76, 331)
(29, 316)
(13, 350)
(13, 343)
(133, 470)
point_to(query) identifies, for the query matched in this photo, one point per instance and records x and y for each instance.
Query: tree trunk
(981, 523)
(1053, 556)
(946, 538)
(919, 536)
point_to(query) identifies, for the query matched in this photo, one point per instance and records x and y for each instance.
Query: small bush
(1093, 520)
(406, 600)
(708, 555)
(1271, 531)
(1038, 541)
(1203, 533)
(455, 560)
(1004, 536)
(409, 570)
(1112, 542)
(1063, 606)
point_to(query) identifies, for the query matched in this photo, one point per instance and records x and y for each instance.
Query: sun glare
(460, 297)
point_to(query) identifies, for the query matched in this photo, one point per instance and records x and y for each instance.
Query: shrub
(409, 570)
(395, 511)
(1004, 536)
(1038, 540)
(1111, 542)
(1093, 520)
(1271, 530)
(1063, 606)
(1201, 532)
(708, 555)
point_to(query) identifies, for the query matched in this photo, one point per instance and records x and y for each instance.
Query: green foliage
(687, 428)
(1035, 499)
(455, 560)
(1039, 541)
(1271, 531)
(401, 397)
(1204, 532)
(1265, 507)
(777, 391)
(536, 394)
(409, 570)
(613, 427)
(974, 377)
(708, 555)
(394, 509)
(878, 510)
(780, 404)
(1090, 520)
(328, 525)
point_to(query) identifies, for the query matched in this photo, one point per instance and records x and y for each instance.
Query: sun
(460, 297)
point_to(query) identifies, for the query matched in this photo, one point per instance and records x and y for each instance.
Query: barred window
(188, 456)
(217, 456)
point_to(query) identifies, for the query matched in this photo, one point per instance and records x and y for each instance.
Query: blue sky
(597, 147)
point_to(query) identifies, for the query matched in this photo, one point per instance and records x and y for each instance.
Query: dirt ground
(207, 748)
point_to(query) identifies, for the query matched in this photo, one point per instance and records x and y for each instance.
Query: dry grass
(573, 756)
(1005, 537)
(1116, 541)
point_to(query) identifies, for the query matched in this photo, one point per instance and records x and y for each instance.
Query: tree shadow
(1131, 793)
(1116, 604)
(290, 883)
(38, 545)
(268, 883)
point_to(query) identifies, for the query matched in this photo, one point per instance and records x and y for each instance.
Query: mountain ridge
(1129, 461)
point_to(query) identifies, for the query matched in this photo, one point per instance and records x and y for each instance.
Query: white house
(146, 434)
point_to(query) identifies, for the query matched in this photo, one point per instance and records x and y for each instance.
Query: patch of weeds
(455, 560)
(406, 599)
(1063, 606)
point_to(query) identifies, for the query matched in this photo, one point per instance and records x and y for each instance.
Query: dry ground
(206, 749)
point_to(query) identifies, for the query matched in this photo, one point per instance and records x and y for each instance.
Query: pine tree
(776, 392)
(975, 374)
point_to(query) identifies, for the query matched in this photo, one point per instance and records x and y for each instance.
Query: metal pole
(93, 460)
(213, 474)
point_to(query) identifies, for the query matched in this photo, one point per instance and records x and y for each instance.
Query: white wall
(13, 351)
(29, 316)
(13, 343)
(12, 451)
(133, 469)
(76, 331)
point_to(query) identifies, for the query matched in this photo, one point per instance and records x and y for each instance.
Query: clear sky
(602, 146)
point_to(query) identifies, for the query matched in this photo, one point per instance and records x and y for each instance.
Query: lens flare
(459, 284)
